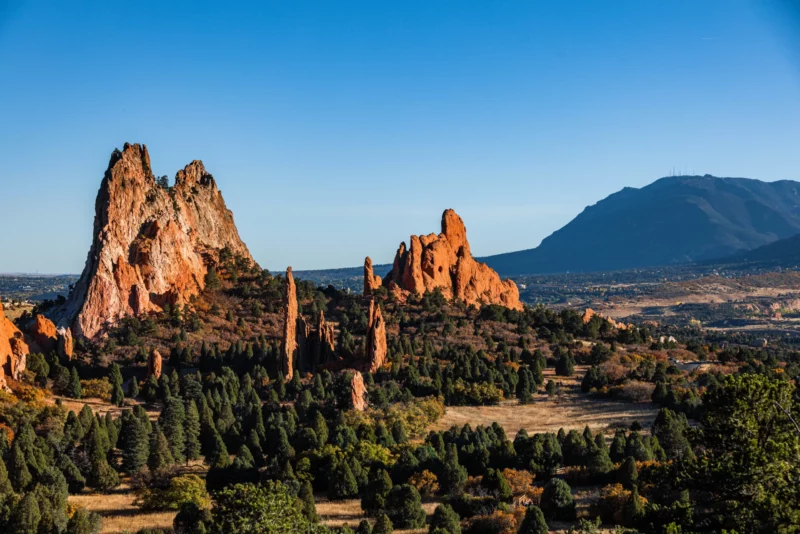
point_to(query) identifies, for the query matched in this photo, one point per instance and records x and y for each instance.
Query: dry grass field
(340, 513)
(118, 512)
(571, 409)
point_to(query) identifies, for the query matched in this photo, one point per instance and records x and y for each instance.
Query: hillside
(782, 253)
(673, 220)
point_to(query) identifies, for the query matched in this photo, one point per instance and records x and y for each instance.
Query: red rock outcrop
(589, 313)
(376, 338)
(13, 349)
(43, 332)
(444, 261)
(358, 392)
(325, 341)
(289, 342)
(151, 245)
(154, 364)
(371, 280)
(65, 343)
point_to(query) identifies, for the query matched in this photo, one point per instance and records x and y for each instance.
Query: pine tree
(557, 501)
(497, 484)
(101, 475)
(26, 516)
(172, 420)
(454, 475)
(383, 525)
(363, 527)
(342, 483)
(565, 366)
(633, 510)
(18, 471)
(160, 452)
(133, 388)
(534, 522)
(599, 462)
(306, 496)
(378, 487)
(628, 473)
(320, 428)
(618, 446)
(135, 443)
(525, 386)
(117, 395)
(445, 520)
(218, 455)
(5, 483)
(192, 431)
(404, 507)
(74, 388)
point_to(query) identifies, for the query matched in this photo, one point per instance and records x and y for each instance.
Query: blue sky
(336, 129)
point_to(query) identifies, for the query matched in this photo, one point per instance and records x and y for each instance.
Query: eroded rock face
(65, 343)
(289, 342)
(325, 349)
(376, 338)
(589, 313)
(13, 349)
(371, 280)
(444, 261)
(151, 245)
(358, 392)
(43, 331)
(154, 364)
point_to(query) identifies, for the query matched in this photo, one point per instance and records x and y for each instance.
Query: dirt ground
(571, 410)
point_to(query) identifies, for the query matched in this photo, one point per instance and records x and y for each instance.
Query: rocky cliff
(152, 245)
(13, 350)
(444, 261)
(377, 348)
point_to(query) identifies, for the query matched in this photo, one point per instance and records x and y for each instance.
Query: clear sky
(336, 129)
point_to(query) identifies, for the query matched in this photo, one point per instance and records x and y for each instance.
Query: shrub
(425, 482)
(181, 489)
(99, 388)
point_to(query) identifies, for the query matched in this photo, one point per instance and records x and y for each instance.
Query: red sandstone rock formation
(151, 245)
(43, 332)
(371, 280)
(589, 313)
(65, 343)
(325, 339)
(154, 364)
(289, 343)
(376, 338)
(444, 261)
(358, 392)
(13, 349)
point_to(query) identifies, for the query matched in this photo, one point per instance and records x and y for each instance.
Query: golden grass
(348, 512)
(571, 410)
(118, 512)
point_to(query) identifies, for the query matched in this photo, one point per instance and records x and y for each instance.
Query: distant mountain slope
(673, 220)
(781, 253)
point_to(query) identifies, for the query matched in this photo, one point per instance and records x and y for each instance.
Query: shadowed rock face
(151, 245)
(444, 261)
(376, 339)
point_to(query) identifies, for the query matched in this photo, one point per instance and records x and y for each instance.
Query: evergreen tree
(637, 448)
(599, 462)
(565, 366)
(557, 501)
(534, 522)
(633, 510)
(101, 475)
(306, 496)
(133, 388)
(454, 475)
(5, 483)
(618, 446)
(445, 520)
(320, 428)
(383, 525)
(74, 388)
(18, 472)
(496, 483)
(26, 517)
(404, 507)
(670, 429)
(363, 527)
(117, 395)
(172, 420)
(160, 452)
(192, 431)
(342, 484)
(378, 487)
(628, 473)
(526, 385)
(218, 453)
(135, 443)
(659, 395)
